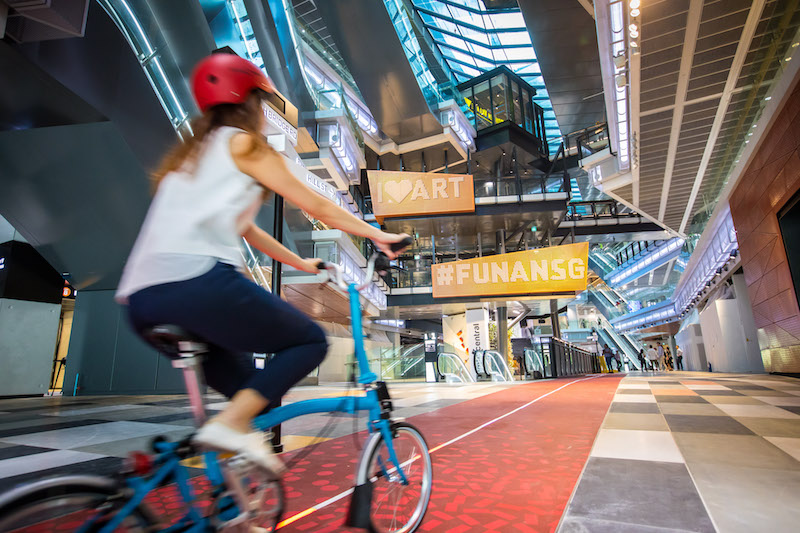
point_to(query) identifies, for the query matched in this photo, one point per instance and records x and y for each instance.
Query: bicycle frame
(170, 460)
(346, 404)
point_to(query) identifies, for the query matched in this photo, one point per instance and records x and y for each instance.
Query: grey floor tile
(706, 424)
(74, 437)
(772, 427)
(121, 448)
(41, 425)
(634, 391)
(593, 525)
(744, 500)
(171, 418)
(679, 398)
(646, 493)
(704, 409)
(718, 393)
(748, 386)
(733, 450)
(14, 450)
(791, 408)
(630, 407)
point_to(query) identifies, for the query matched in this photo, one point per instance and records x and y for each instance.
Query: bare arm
(270, 169)
(264, 242)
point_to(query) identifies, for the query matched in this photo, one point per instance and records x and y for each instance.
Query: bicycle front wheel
(398, 507)
(69, 504)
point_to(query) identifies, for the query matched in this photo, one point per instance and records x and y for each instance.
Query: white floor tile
(89, 435)
(706, 387)
(637, 445)
(640, 386)
(787, 444)
(761, 411)
(43, 461)
(635, 398)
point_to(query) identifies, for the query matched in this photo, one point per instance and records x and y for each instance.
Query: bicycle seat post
(189, 363)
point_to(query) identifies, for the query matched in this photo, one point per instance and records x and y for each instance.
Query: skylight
(473, 41)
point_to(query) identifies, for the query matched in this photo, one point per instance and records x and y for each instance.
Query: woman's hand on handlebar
(384, 242)
(312, 266)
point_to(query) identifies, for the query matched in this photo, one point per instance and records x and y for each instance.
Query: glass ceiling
(474, 40)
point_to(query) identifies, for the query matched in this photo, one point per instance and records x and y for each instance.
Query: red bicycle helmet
(226, 79)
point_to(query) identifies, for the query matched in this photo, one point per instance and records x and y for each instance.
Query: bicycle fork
(358, 515)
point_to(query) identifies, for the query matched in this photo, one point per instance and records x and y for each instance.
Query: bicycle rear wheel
(69, 504)
(396, 507)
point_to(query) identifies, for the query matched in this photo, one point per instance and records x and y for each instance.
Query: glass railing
(453, 369)
(533, 363)
(496, 366)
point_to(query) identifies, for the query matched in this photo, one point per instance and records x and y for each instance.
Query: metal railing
(566, 359)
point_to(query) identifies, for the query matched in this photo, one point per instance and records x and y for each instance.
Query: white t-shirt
(195, 220)
(652, 354)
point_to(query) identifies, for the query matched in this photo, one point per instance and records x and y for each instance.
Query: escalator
(492, 366)
(453, 370)
(626, 346)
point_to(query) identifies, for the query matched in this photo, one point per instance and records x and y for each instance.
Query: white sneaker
(252, 445)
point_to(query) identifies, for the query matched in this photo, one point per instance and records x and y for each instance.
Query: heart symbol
(398, 190)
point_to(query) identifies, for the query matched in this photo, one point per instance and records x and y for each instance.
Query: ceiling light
(768, 98)
(788, 59)
(795, 45)
(635, 13)
(633, 27)
(635, 4)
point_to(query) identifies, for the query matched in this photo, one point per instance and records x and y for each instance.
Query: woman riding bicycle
(186, 268)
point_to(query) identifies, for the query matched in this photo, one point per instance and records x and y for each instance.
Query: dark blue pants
(236, 317)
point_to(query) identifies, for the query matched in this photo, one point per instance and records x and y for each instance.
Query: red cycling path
(517, 456)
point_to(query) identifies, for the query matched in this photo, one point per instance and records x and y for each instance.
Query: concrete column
(749, 330)
(500, 241)
(554, 318)
(502, 331)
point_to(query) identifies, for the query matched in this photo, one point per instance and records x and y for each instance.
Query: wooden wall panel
(772, 178)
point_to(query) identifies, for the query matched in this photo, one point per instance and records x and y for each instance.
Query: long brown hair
(246, 116)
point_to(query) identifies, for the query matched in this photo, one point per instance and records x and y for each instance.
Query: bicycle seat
(174, 341)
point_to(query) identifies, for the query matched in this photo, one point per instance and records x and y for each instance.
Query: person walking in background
(668, 358)
(652, 356)
(642, 360)
(660, 352)
(608, 355)
(678, 358)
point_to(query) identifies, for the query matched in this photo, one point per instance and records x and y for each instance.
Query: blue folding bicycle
(393, 477)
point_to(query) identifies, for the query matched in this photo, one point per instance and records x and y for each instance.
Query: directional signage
(541, 271)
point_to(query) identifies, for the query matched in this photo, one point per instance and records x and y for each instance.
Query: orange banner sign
(541, 271)
(397, 194)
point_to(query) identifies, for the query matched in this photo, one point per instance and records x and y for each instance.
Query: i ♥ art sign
(420, 193)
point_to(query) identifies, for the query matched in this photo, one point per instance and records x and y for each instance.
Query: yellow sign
(397, 194)
(541, 271)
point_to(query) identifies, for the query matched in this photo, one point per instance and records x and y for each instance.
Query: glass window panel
(499, 98)
(481, 106)
(517, 97)
(526, 100)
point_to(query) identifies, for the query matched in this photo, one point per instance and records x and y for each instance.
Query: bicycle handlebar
(378, 262)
